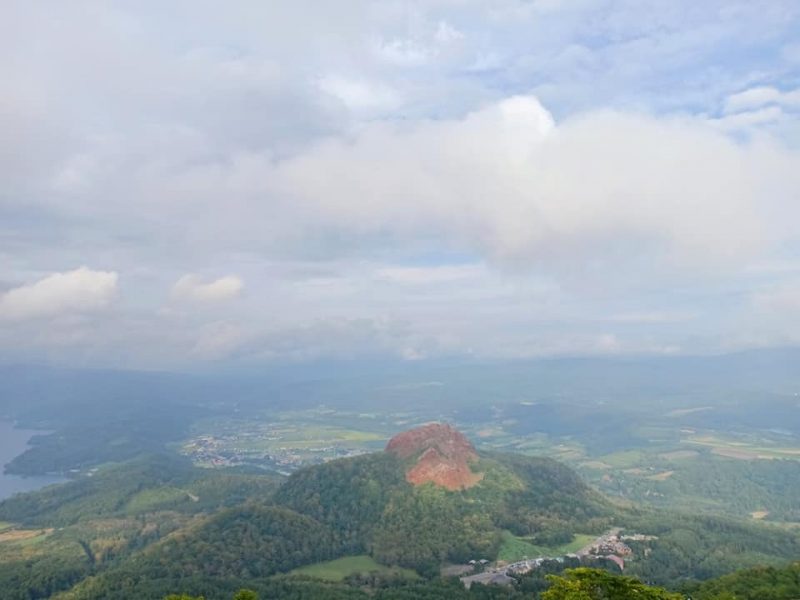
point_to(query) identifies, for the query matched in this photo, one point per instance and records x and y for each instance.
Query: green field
(152, 499)
(515, 548)
(337, 570)
(5, 525)
(33, 540)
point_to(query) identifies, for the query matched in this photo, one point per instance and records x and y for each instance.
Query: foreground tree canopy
(594, 584)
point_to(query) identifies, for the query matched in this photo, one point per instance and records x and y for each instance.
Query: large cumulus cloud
(508, 182)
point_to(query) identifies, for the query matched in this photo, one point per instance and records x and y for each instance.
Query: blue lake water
(14, 442)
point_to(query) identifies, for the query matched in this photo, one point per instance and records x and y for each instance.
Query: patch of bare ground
(661, 476)
(734, 453)
(443, 456)
(595, 464)
(680, 454)
(17, 535)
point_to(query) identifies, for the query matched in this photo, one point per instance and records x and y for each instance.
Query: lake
(14, 442)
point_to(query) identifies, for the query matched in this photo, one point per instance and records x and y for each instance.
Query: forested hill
(371, 507)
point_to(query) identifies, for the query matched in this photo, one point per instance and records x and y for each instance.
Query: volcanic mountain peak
(443, 456)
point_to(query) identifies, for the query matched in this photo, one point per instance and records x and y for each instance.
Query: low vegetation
(347, 566)
(516, 548)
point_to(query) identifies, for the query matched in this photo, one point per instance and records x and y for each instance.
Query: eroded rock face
(443, 454)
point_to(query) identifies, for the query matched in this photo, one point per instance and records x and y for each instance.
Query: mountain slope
(431, 497)
(443, 456)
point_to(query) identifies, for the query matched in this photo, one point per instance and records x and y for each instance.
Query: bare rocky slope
(442, 455)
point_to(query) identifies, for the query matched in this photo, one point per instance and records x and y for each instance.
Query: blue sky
(197, 185)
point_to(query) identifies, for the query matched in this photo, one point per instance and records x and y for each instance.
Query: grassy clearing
(5, 525)
(148, 500)
(24, 536)
(40, 536)
(514, 548)
(337, 570)
(661, 476)
(581, 539)
(680, 455)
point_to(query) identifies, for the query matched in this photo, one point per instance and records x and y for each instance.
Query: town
(610, 546)
(268, 452)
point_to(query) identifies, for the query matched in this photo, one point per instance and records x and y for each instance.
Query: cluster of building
(224, 452)
(612, 546)
(524, 566)
(493, 577)
(609, 546)
(637, 537)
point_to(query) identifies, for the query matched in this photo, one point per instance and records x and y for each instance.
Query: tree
(595, 584)
(245, 595)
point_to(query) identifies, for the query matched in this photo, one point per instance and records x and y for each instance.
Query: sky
(196, 184)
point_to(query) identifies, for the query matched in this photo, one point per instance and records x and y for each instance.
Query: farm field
(744, 449)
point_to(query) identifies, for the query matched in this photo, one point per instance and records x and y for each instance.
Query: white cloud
(191, 288)
(421, 50)
(403, 52)
(506, 181)
(77, 291)
(446, 33)
(360, 94)
(758, 97)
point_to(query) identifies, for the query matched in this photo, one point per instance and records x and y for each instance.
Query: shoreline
(14, 442)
